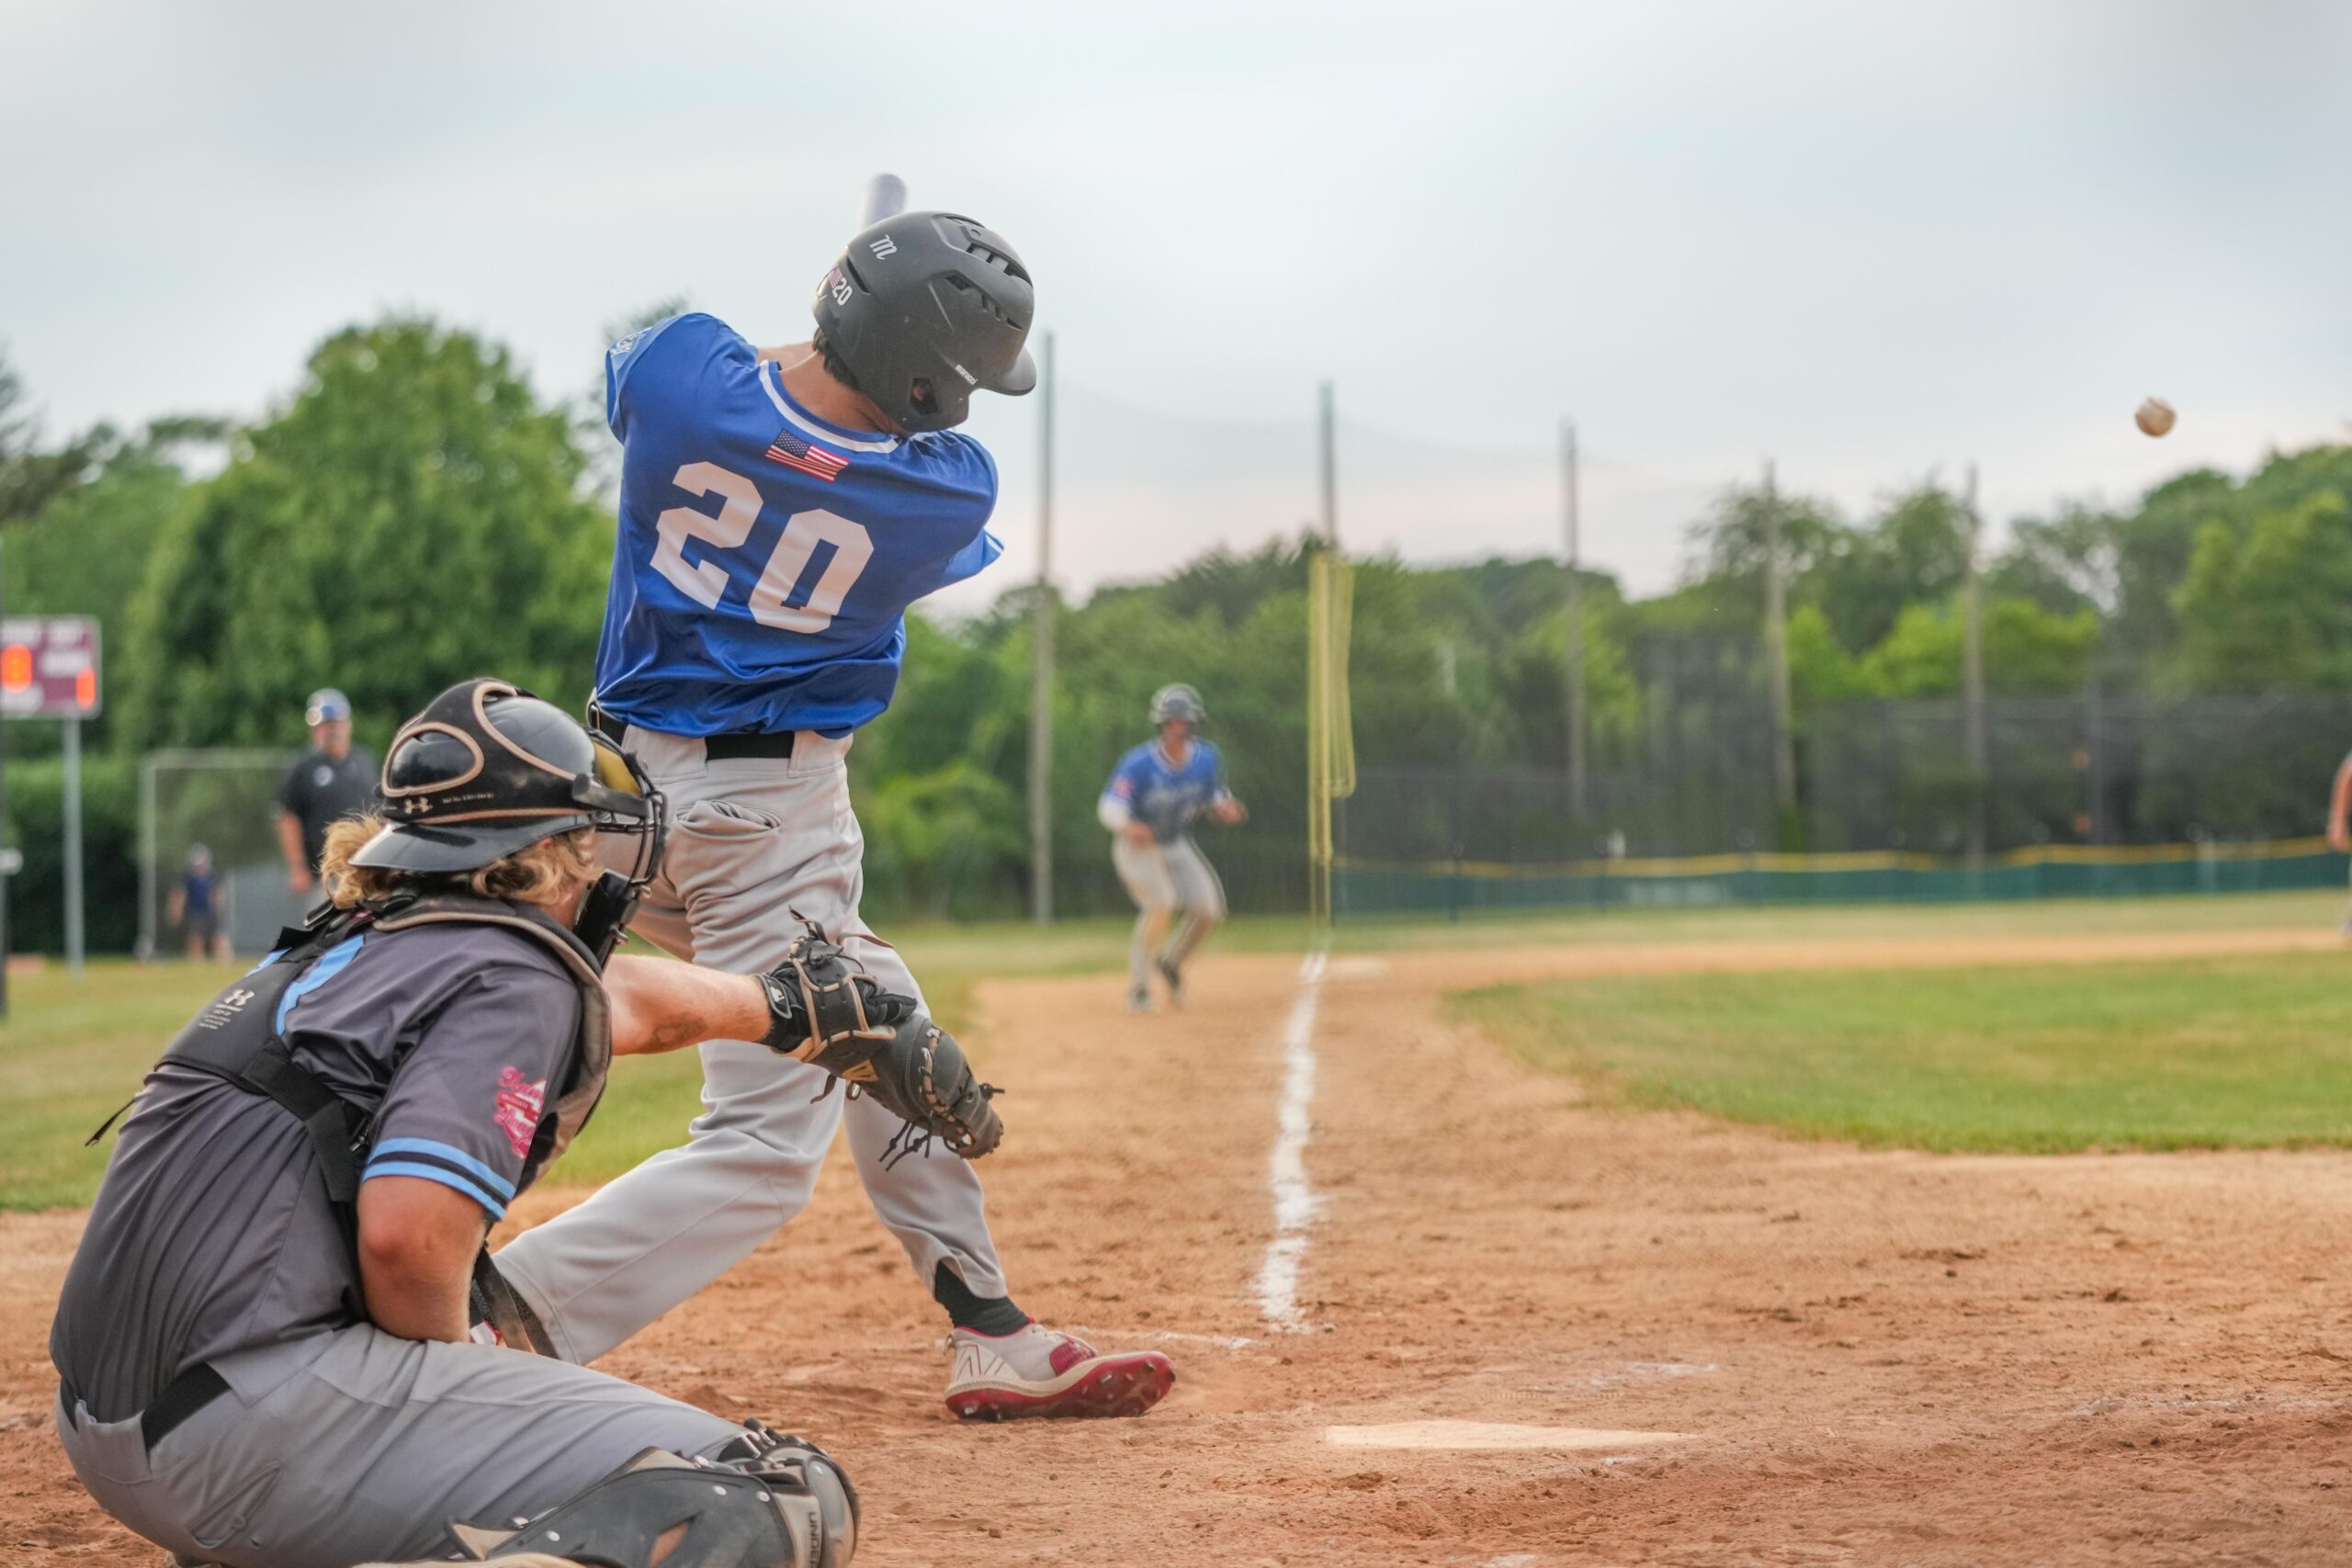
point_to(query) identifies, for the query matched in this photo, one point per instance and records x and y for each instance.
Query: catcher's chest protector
(236, 1036)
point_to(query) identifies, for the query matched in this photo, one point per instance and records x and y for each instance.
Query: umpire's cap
(1179, 701)
(925, 307)
(488, 769)
(326, 705)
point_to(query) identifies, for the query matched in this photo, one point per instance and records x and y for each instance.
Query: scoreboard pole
(73, 929)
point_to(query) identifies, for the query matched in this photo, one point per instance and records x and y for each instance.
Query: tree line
(414, 512)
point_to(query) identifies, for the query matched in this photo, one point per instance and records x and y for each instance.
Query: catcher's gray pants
(751, 842)
(1162, 878)
(371, 1448)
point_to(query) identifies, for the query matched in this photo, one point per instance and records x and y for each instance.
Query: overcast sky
(1866, 240)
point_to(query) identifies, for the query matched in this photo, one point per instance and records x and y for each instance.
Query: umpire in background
(330, 780)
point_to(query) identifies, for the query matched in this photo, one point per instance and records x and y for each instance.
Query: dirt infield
(1865, 1358)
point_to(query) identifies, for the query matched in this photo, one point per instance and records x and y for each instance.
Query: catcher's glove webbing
(826, 1010)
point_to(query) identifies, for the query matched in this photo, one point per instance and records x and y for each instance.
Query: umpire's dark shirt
(318, 792)
(212, 1234)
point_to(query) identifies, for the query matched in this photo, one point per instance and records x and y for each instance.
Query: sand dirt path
(1872, 1358)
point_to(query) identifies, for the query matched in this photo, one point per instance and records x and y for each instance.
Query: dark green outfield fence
(1362, 887)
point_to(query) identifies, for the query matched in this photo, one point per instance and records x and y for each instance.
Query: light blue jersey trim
(440, 1173)
(329, 965)
(489, 1177)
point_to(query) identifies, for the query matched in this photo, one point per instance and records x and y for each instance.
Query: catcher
(277, 1344)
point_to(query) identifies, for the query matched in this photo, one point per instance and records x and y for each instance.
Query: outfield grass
(2224, 1052)
(72, 1051)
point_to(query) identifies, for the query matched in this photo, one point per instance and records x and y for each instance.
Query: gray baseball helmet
(923, 308)
(488, 768)
(1177, 701)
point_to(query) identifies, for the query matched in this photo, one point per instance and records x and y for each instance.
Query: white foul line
(1294, 1201)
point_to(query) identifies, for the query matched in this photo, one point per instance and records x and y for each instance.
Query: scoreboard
(49, 667)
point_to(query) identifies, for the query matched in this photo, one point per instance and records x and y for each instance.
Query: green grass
(72, 1051)
(2225, 1053)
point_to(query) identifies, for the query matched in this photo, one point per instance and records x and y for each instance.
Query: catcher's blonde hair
(546, 872)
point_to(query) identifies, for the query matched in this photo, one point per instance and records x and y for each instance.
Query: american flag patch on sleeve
(806, 456)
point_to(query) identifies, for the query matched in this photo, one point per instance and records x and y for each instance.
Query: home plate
(1489, 1434)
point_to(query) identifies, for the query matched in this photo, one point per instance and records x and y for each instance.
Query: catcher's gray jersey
(212, 1233)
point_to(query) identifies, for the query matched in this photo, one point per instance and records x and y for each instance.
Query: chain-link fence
(2088, 794)
(224, 800)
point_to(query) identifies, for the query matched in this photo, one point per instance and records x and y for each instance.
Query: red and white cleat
(1037, 1371)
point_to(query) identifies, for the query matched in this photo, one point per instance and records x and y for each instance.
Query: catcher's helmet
(925, 307)
(488, 769)
(1175, 702)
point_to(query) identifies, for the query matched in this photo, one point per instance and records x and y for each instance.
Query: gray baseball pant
(1162, 878)
(370, 1448)
(753, 842)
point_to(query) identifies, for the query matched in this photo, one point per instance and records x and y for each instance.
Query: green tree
(413, 518)
(1820, 670)
(30, 476)
(2028, 651)
(2270, 608)
(85, 552)
(1916, 551)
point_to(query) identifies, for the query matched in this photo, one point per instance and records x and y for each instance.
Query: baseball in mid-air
(2155, 417)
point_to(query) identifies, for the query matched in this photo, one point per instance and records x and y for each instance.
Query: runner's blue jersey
(1163, 796)
(766, 556)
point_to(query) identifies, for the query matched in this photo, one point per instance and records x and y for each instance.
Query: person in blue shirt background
(195, 908)
(1154, 796)
(780, 509)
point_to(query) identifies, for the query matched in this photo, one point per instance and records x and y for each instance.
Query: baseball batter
(1154, 795)
(780, 509)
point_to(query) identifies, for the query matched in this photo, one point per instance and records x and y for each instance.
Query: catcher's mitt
(924, 1078)
(824, 1010)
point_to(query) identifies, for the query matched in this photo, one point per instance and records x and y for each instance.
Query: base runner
(1150, 805)
(780, 509)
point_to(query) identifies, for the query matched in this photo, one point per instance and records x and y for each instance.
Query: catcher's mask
(488, 769)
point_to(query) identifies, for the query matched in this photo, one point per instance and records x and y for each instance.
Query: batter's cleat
(1139, 1000)
(1037, 1371)
(1175, 978)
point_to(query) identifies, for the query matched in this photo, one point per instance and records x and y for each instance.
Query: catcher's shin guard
(772, 1502)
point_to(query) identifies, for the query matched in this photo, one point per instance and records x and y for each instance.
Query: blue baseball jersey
(1162, 796)
(766, 557)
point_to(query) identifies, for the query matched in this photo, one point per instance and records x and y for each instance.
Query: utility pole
(1972, 676)
(1776, 649)
(1041, 679)
(1325, 444)
(1569, 525)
